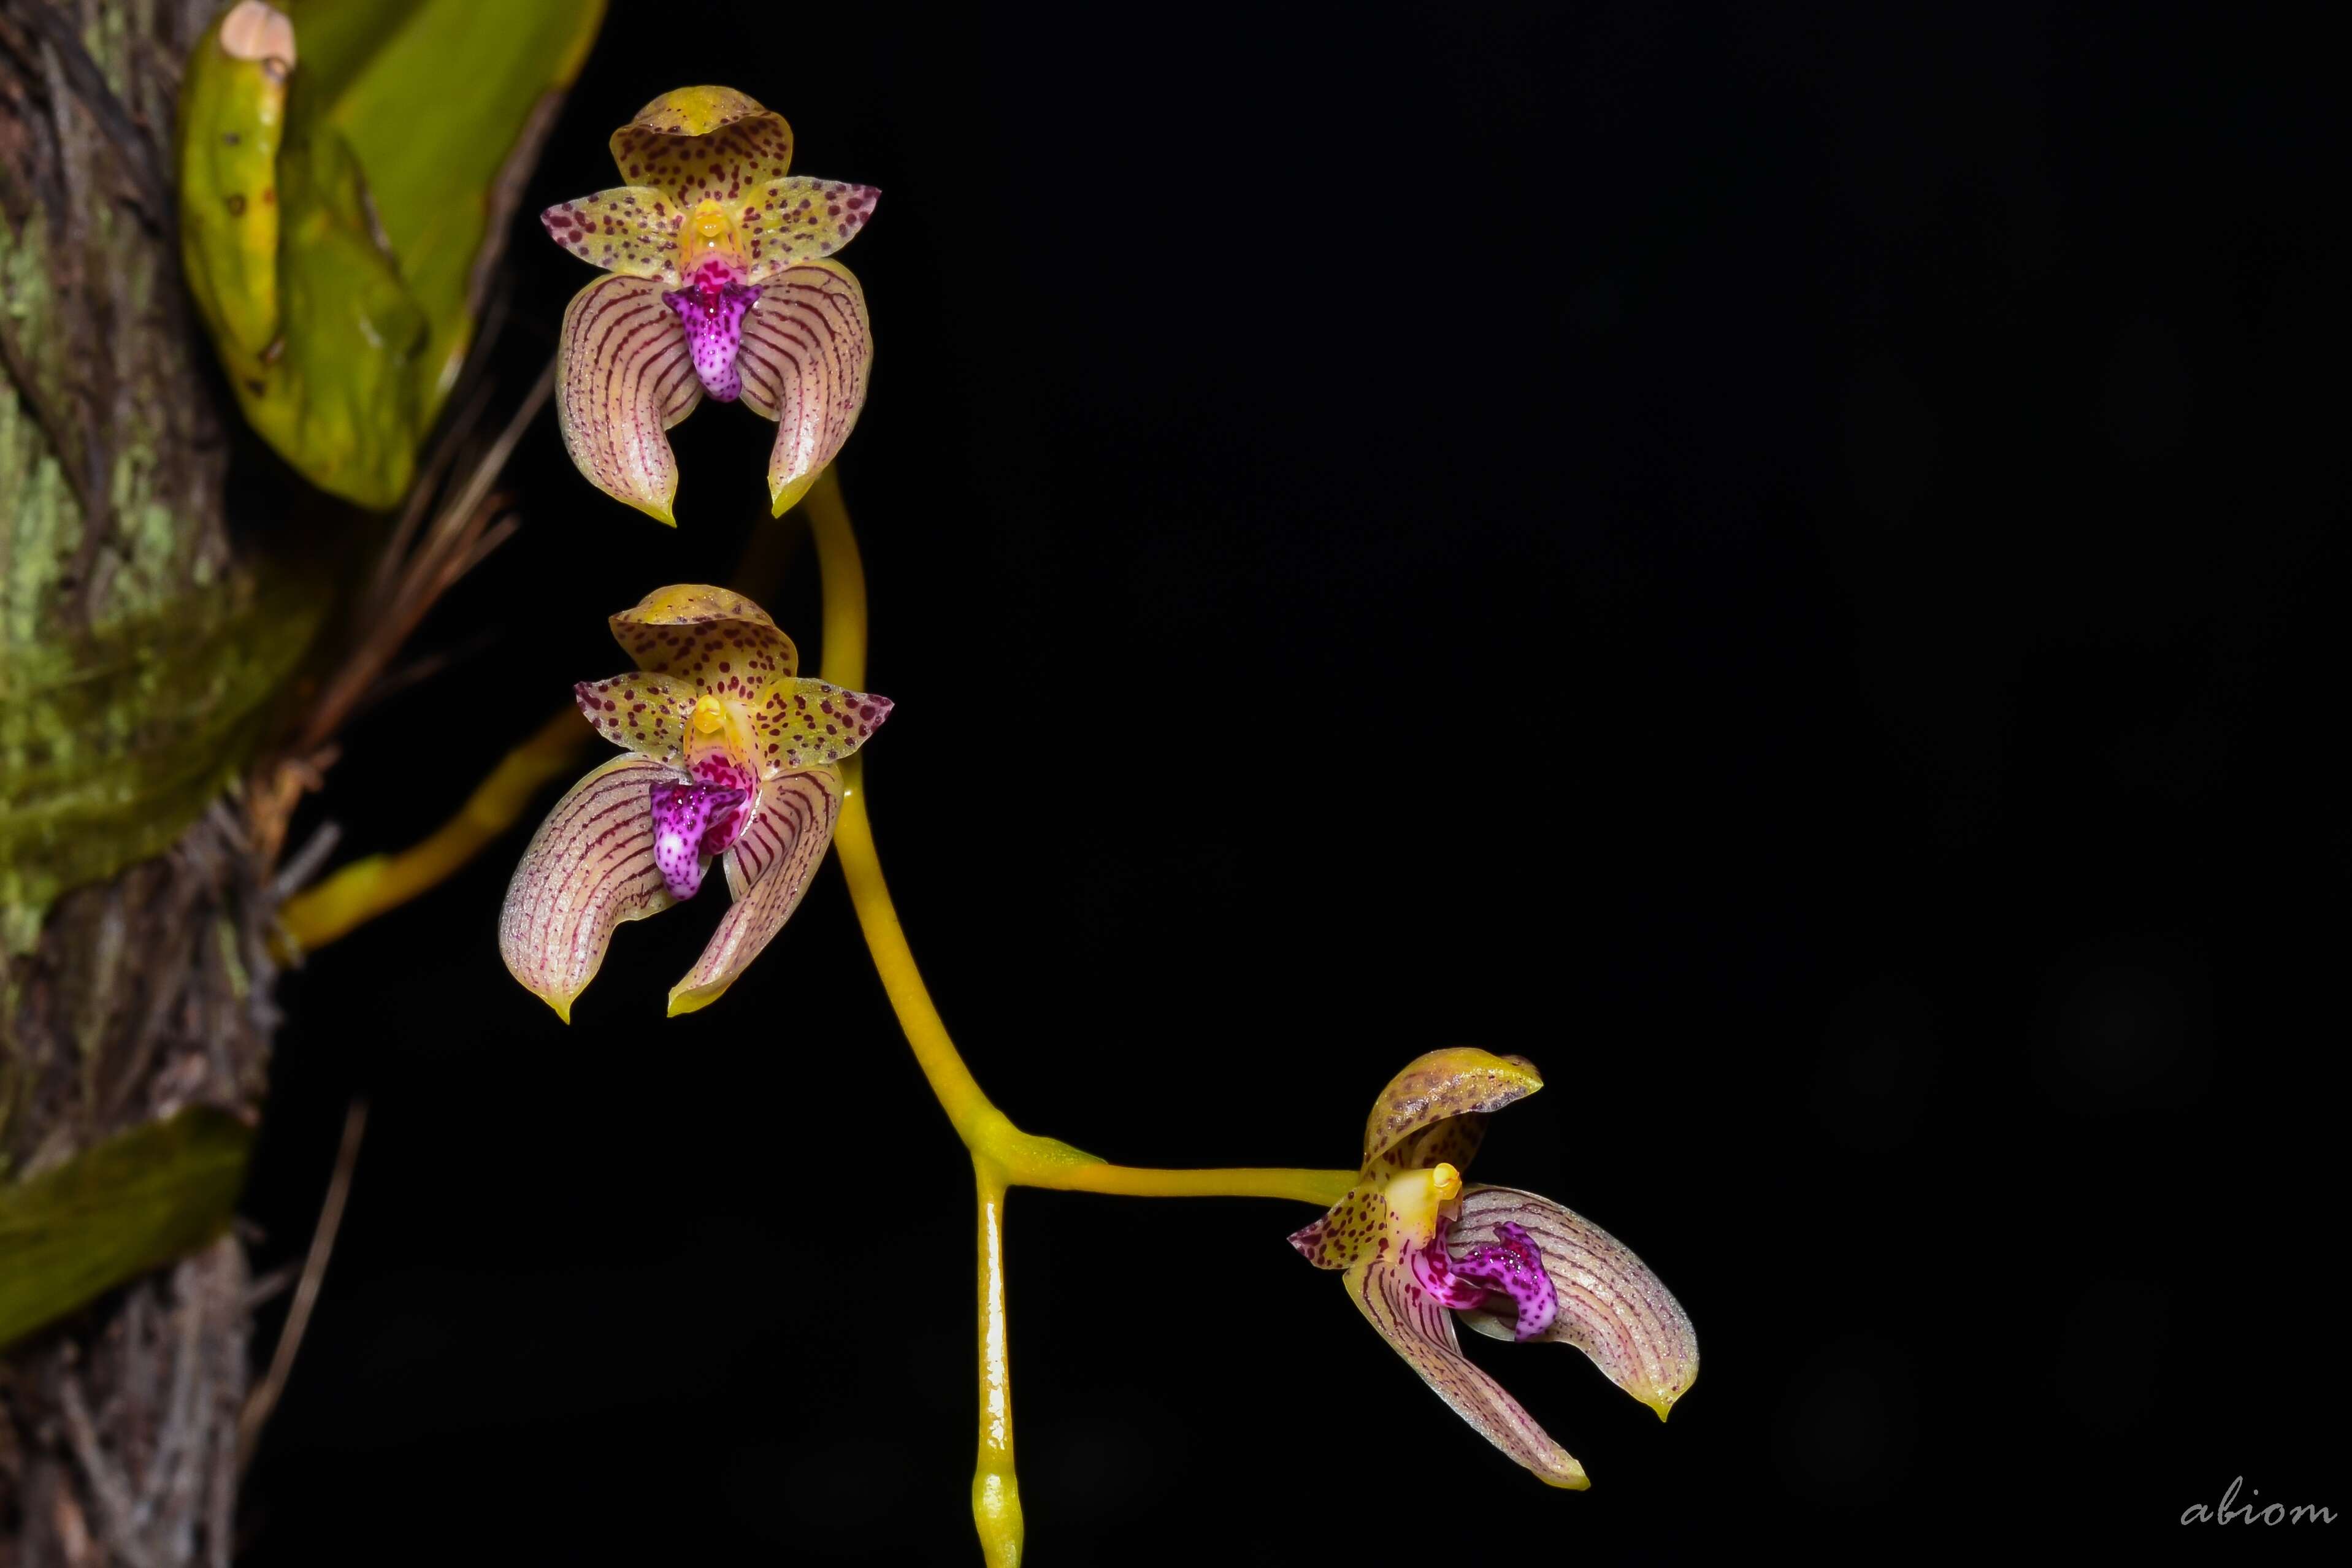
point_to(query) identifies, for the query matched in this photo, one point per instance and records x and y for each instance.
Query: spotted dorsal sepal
(704, 143)
(1436, 1087)
(712, 638)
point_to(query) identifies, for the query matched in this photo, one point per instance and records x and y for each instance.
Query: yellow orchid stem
(1002, 1155)
(366, 888)
(995, 1489)
(1023, 1159)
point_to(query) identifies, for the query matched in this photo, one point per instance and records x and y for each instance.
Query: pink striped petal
(623, 375)
(768, 870)
(590, 867)
(632, 231)
(1610, 1306)
(1422, 1331)
(807, 349)
(801, 219)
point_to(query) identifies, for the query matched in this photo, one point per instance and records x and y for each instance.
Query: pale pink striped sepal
(1421, 1329)
(808, 347)
(768, 870)
(592, 865)
(1610, 1305)
(624, 373)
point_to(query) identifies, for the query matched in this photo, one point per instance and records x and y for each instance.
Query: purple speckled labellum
(1434, 1273)
(1512, 1266)
(713, 313)
(691, 823)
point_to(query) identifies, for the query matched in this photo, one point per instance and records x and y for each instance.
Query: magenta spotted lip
(692, 822)
(712, 316)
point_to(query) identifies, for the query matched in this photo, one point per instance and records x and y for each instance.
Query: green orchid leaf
(115, 1211)
(435, 97)
(338, 394)
(347, 167)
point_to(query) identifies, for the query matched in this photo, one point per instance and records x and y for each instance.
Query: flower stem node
(728, 754)
(1527, 1268)
(720, 285)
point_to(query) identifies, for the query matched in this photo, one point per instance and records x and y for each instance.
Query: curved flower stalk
(720, 286)
(1418, 1247)
(729, 754)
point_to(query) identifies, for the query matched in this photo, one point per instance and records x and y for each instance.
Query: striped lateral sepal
(1418, 1247)
(721, 287)
(731, 756)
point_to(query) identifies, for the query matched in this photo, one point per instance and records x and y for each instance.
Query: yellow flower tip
(1570, 1477)
(684, 1000)
(783, 498)
(1660, 1400)
(1447, 1181)
(561, 1001)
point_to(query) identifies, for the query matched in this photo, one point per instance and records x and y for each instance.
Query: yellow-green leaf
(347, 169)
(115, 1211)
(435, 96)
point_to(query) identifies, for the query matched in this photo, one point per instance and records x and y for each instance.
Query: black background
(1785, 564)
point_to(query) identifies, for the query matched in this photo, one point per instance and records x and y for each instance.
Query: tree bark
(139, 650)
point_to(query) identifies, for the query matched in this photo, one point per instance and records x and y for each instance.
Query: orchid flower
(728, 754)
(720, 285)
(1419, 1247)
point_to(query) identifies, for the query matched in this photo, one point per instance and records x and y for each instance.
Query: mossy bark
(141, 650)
